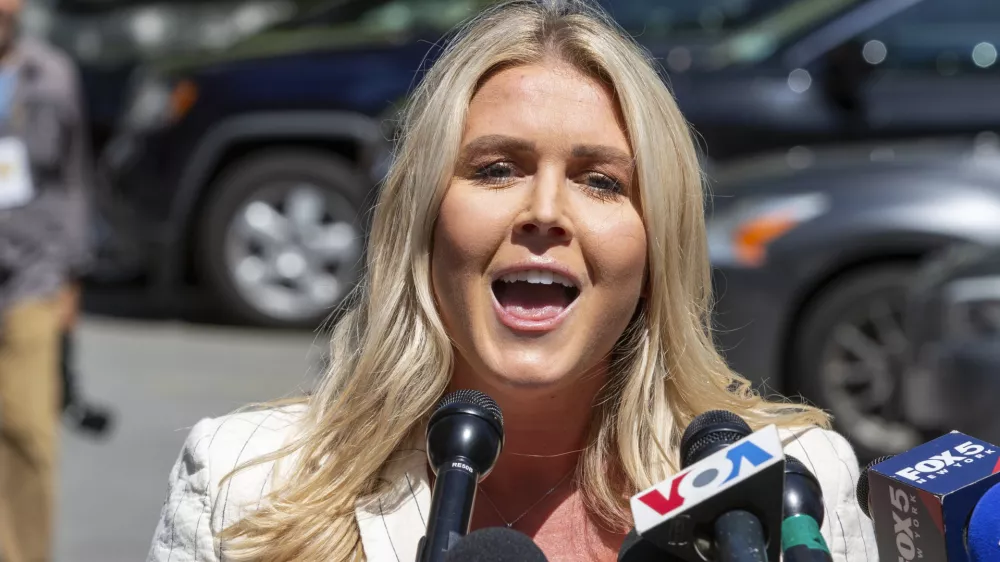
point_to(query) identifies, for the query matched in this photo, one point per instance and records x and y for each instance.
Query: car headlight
(156, 102)
(973, 308)
(739, 234)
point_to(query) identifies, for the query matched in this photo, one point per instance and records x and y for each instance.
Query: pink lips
(544, 320)
(529, 318)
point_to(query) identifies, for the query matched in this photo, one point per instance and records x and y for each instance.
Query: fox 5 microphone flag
(921, 500)
(749, 475)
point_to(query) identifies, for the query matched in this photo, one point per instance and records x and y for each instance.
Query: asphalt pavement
(160, 377)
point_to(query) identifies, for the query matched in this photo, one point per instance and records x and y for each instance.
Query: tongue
(532, 301)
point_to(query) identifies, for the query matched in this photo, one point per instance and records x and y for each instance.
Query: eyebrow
(503, 143)
(496, 143)
(605, 153)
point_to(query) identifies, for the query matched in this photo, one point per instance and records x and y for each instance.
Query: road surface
(160, 377)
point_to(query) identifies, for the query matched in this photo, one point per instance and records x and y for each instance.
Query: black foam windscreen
(862, 489)
(495, 544)
(709, 432)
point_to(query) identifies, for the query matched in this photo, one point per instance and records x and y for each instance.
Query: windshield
(762, 39)
(317, 11)
(648, 18)
(112, 32)
(374, 16)
(105, 6)
(660, 19)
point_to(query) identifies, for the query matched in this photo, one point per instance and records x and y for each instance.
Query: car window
(126, 31)
(944, 36)
(433, 15)
(661, 18)
(391, 16)
(768, 35)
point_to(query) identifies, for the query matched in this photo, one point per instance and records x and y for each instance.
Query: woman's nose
(543, 228)
(545, 212)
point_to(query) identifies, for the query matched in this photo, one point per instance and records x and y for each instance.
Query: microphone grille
(862, 489)
(476, 398)
(708, 429)
(495, 544)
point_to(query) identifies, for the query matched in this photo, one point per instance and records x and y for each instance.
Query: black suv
(247, 170)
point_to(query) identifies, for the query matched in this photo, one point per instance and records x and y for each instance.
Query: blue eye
(604, 183)
(498, 172)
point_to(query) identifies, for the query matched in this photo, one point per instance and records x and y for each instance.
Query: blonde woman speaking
(540, 238)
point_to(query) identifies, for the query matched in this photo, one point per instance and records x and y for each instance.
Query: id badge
(16, 187)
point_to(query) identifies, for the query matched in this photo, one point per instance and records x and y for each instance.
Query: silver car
(814, 252)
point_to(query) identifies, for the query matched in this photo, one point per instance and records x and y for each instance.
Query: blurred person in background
(80, 414)
(557, 263)
(44, 180)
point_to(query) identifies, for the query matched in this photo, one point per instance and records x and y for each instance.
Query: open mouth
(534, 295)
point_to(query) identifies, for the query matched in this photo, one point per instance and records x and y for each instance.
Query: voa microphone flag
(748, 474)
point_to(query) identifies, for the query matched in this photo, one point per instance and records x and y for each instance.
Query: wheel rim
(861, 372)
(291, 250)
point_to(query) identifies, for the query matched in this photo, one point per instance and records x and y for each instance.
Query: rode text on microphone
(922, 499)
(747, 475)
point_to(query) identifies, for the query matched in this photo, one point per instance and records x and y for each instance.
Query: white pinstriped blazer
(196, 507)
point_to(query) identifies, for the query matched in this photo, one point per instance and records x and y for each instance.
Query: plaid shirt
(45, 242)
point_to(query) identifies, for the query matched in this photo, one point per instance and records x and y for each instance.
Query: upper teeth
(538, 276)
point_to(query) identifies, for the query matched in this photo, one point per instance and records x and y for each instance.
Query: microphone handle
(739, 537)
(451, 510)
(801, 540)
(803, 554)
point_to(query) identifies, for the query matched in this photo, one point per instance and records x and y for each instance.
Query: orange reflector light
(182, 99)
(750, 240)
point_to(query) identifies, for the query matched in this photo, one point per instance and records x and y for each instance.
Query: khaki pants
(29, 417)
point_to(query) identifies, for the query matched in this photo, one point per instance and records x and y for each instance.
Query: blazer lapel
(392, 526)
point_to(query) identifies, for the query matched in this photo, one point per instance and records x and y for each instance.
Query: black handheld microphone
(861, 490)
(464, 439)
(725, 505)
(801, 539)
(495, 544)
(739, 535)
(931, 501)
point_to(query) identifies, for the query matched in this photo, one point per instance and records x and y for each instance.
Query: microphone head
(984, 528)
(803, 493)
(795, 466)
(862, 490)
(637, 549)
(468, 399)
(467, 424)
(710, 432)
(495, 544)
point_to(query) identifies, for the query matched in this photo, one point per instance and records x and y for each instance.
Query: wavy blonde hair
(392, 358)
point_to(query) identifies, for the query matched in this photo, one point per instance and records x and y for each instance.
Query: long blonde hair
(392, 358)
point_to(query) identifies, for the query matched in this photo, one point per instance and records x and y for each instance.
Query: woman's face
(539, 249)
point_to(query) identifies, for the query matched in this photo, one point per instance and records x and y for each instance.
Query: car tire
(235, 187)
(841, 306)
